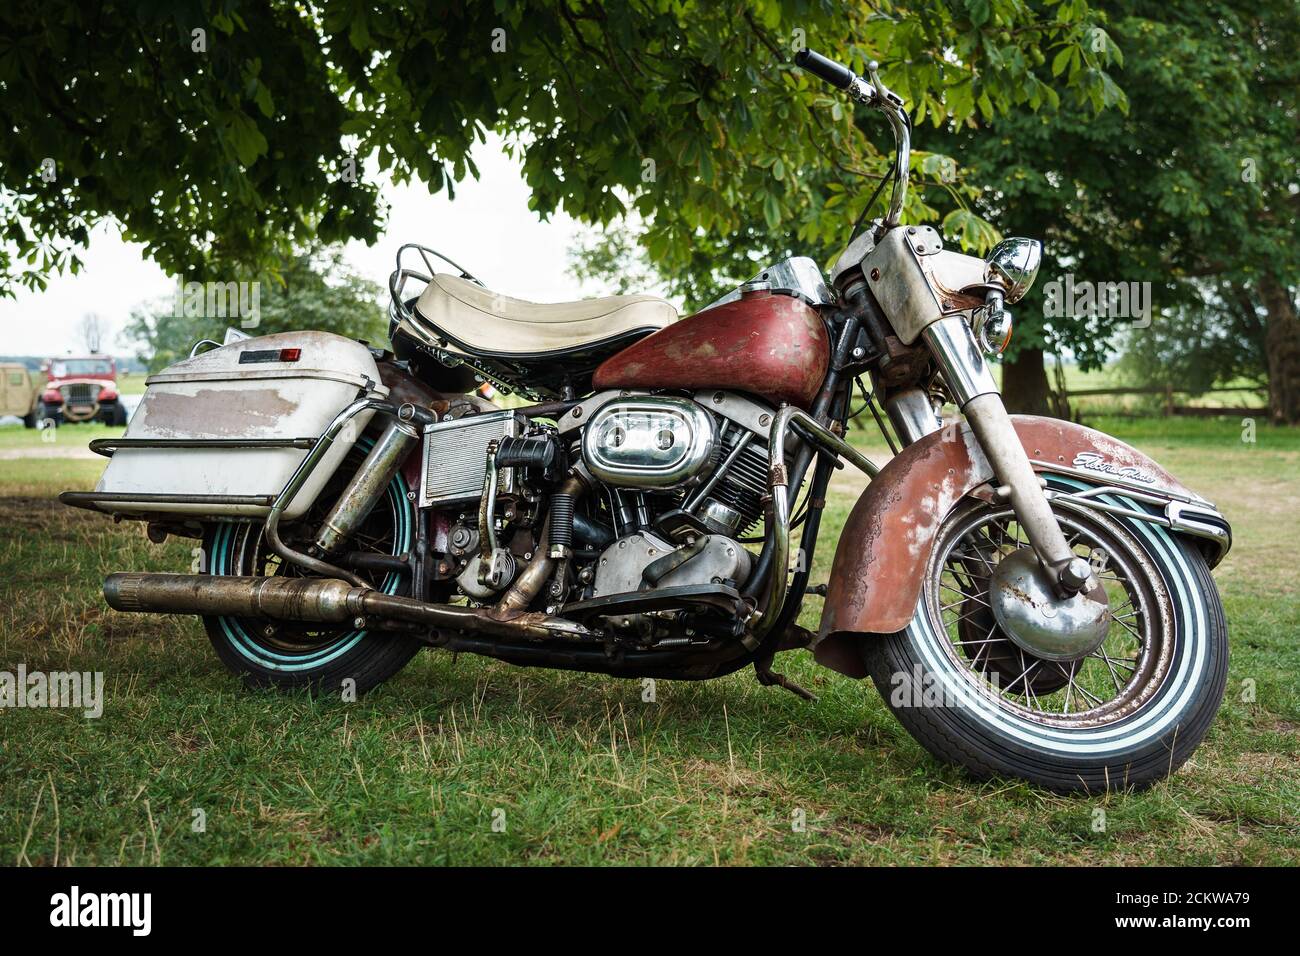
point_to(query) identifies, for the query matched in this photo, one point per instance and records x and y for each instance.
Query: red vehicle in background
(80, 389)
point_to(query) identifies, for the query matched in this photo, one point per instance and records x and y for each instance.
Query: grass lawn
(1242, 394)
(131, 383)
(53, 443)
(581, 768)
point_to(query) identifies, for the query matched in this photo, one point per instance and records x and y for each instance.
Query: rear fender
(876, 576)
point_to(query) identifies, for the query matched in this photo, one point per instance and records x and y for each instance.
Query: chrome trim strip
(106, 446)
(1175, 516)
(1128, 485)
(90, 499)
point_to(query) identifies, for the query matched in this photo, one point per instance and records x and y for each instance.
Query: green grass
(54, 442)
(584, 770)
(131, 383)
(1243, 394)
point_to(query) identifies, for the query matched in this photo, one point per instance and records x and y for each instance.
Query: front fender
(876, 576)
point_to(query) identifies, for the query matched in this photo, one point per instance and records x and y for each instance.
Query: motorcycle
(1032, 598)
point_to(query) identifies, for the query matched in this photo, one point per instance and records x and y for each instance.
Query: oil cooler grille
(455, 455)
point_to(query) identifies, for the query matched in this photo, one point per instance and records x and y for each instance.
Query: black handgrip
(836, 74)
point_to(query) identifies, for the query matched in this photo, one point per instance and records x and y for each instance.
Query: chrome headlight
(649, 442)
(1014, 262)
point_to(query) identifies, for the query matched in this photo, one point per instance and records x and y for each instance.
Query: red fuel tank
(773, 346)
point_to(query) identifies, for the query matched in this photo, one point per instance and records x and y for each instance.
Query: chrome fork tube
(788, 419)
(912, 415)
(971, 383)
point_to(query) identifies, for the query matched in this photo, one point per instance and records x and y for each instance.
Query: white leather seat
(477, 320)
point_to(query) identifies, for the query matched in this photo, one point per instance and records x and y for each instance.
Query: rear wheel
(1127, 713)
(320, 657)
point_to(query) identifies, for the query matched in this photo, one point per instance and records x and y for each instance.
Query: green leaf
(264, 101)
(771, 211)
(246, 138)
(1061, 60)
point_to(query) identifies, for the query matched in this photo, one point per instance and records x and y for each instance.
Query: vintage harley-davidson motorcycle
(1031, 597)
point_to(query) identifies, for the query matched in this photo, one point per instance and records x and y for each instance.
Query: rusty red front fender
(876, 577)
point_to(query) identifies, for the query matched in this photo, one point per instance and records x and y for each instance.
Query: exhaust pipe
(284, 599)
(325, 600)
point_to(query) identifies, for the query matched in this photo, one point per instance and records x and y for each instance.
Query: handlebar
(836, 74)
(872, 92)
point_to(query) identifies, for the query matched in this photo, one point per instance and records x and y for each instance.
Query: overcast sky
(489, 230)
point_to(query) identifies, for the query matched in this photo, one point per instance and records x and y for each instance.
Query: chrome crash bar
(824, 440)
(299, 478)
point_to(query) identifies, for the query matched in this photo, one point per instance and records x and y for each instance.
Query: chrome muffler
(323, 600)
(285, 599)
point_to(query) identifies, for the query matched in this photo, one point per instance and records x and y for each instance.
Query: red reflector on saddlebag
(290, 355)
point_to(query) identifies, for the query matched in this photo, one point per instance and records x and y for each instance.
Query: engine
(677, 484)
(686, 482)
(707, 472)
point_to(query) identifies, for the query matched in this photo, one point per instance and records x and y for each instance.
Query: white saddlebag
(250, 389)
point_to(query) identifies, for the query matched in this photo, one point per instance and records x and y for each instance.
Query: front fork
(972, 387)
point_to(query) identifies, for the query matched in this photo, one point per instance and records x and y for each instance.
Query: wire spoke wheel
(1127, 711)
(1101, 685)
(294, 654)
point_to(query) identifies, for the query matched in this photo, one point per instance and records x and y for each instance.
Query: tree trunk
(1282, 346)
(1024, 384)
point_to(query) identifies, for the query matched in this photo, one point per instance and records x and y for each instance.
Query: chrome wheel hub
(1030, 612)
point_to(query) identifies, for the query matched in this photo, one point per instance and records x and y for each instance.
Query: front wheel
(1125, 714)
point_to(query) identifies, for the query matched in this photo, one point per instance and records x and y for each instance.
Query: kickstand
(768, 677)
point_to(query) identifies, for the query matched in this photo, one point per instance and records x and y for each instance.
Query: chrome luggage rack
(398, 279)
(106, 446)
